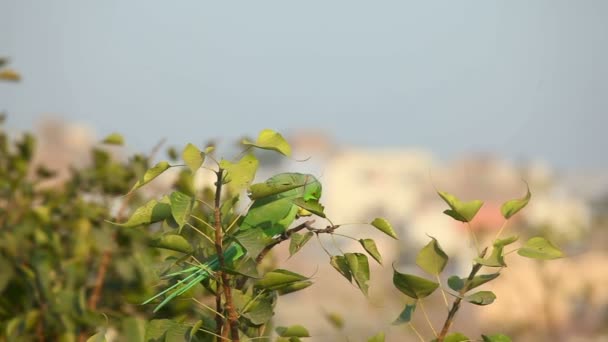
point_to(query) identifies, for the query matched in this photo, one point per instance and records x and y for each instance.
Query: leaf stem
(474, 237)
(426, 317)
(445, 298)
(416, 331)
(504, 224)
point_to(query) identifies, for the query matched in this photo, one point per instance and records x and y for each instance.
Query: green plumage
(272, 212)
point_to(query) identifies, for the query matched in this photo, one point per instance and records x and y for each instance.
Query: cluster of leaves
(432, 260)
(62, 265)
(189, 219)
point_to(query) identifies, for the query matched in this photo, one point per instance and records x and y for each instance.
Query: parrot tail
(196, 274)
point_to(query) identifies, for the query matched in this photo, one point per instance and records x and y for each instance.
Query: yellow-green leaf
(271, 140)
(181, 206)
(384, 226)
(173, 242)
(370, 247)
(431, 258)
(359, 268)
(510, 208)
(461, 211)
(540, 248)
(239, 175)
(339, 263)
(152, 211)
(114, 139)
(379, 337)
(193, 157)
(292, 331)
(150, 174)
(481, 298)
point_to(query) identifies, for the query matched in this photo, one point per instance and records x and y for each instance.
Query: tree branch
(287, 235)
(219, 235)
(456, 304)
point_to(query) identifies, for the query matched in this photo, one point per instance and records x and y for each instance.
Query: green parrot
(276, 205)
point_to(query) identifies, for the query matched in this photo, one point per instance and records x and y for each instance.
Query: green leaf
(173, 242)
(379, 337)
(7, 273)
(297, 241)
(457, 283)
(413, 286)
(335, 320)
(311, 205)
(166, 330)
(152, 173)
(431, 258)
(496, 259)
(193, 157)
(194, 330)
(385, 227)
(114, 139)
(258, 310)
(99, 337)
(341, 265)
(271, 140)
(359, 268)
(261, 190)
(505, 241)
(292, 331)
(481, 298)
(254, 241)
(293, 287)
(240, 175)
(456, 337)
(134, 329)
(461, 211)
(540, 248)
(496, 338)
(152, 211)
(510, 208)
(370, 247)
(406, 315)
(181, 206)
(278, 279)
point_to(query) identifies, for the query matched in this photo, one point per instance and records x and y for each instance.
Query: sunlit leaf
(413, 286)
(406, 315)
(505, 241)
(540, 248)
(341, 265)
(193, 157)
(9, 75)
(173, 242)
(254, 241)
(496, 259)
(379, 337)
(278, 278)
(431, 258)
(511, 207)
(292, 331)
(481, 298)
(271, 140)
(370, 247)
(181, 206)
(384, 226)
(99, 337)
(335, 320)
(152, 173)
(114, 139)
(297, 241)
(496, 338)
(461, 211)
(312, 206)
(359, 268)
(456, 337)
(240, 175)
(152, 211)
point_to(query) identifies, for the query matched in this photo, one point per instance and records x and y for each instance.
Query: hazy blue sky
(526, 79)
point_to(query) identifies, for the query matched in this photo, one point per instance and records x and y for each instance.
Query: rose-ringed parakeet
(276, 204)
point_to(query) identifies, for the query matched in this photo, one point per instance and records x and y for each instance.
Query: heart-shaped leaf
(540, 248)
(461, 211)
(510, 208)
(271, 140)
(384, 226)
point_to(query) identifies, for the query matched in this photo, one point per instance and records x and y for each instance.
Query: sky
(526, 80)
